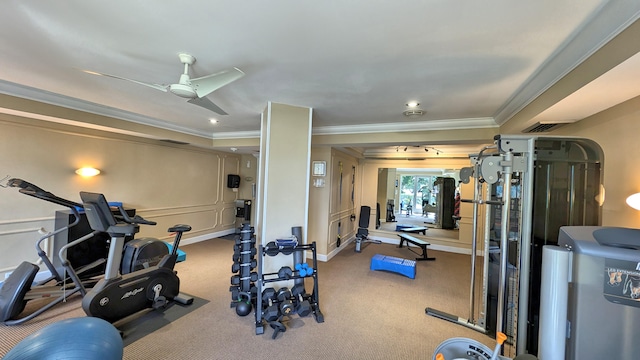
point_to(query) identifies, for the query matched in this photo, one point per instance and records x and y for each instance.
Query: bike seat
(179, 228)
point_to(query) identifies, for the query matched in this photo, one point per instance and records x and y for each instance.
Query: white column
(284, 177)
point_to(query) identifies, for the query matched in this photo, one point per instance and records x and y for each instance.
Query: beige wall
(616, 131)
(343, 208)
(165, 182)
(248, 181)
(318, 202)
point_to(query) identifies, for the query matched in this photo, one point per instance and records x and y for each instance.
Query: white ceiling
(356, 63)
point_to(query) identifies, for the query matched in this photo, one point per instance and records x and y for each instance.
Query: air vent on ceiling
(175, 142)
(413, 113)
(538, 127)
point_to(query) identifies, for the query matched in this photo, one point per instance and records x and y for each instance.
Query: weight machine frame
(513, 159)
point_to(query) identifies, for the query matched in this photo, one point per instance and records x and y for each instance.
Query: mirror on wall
(418, 198)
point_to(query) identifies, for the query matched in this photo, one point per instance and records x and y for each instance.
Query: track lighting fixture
(426, 148)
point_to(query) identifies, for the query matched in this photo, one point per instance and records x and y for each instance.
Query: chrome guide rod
(527, 179)
(474, 240)
(485, 265)
(504, 237)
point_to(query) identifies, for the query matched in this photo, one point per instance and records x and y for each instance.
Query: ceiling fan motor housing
(185, 91)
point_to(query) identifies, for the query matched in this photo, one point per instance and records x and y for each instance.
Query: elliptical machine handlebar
(30, 189)
(137, 219)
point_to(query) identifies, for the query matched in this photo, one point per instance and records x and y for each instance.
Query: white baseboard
(209, 236)
(335, 251)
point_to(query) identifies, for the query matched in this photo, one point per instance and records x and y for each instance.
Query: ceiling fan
(193, 89)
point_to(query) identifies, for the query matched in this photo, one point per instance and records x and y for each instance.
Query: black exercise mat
(144, 325)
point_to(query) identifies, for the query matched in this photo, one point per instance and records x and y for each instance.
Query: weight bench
(421, 243)
(415, 230)
(397, 265)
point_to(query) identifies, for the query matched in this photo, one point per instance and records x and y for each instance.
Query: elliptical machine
(20, 287)
(117, 296)
(68, 277)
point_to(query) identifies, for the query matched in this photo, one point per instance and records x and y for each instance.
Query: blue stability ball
(84, 338)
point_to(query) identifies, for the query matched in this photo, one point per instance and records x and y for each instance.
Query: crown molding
(447, 124)
(608, 22)
(47, 97)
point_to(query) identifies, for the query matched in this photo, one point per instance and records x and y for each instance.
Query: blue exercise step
(397, 265)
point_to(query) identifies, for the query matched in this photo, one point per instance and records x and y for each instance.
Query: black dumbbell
(239, 241)
(237, 252)
(277, 327)
(303, 307)
(235, 290)
(268, 294)
(285, 273)
(271, 311)
(236, 266)
(286, 305)
(271, 248)
(235, 279)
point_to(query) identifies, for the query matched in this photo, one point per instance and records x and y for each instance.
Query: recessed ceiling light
(213, 121)
(413, 103)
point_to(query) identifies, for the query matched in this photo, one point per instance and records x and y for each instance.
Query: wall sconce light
(634, 201)
(87, 171)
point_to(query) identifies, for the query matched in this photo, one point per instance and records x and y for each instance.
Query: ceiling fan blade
(207, 104)
(153, 86)
(205, 85)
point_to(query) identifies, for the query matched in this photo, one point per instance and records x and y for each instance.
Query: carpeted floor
(368, 314)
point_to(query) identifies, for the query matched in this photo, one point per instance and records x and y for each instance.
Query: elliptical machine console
(118, 296)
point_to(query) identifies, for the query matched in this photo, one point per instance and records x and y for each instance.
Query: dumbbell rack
(265, 278)
(243, 265)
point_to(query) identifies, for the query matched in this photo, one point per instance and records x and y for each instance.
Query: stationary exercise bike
(117, 296)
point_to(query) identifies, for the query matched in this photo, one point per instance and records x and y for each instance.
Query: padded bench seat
(418, 242)
(394, 264)
(415, 229)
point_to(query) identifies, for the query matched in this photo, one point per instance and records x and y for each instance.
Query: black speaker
(233, 181)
